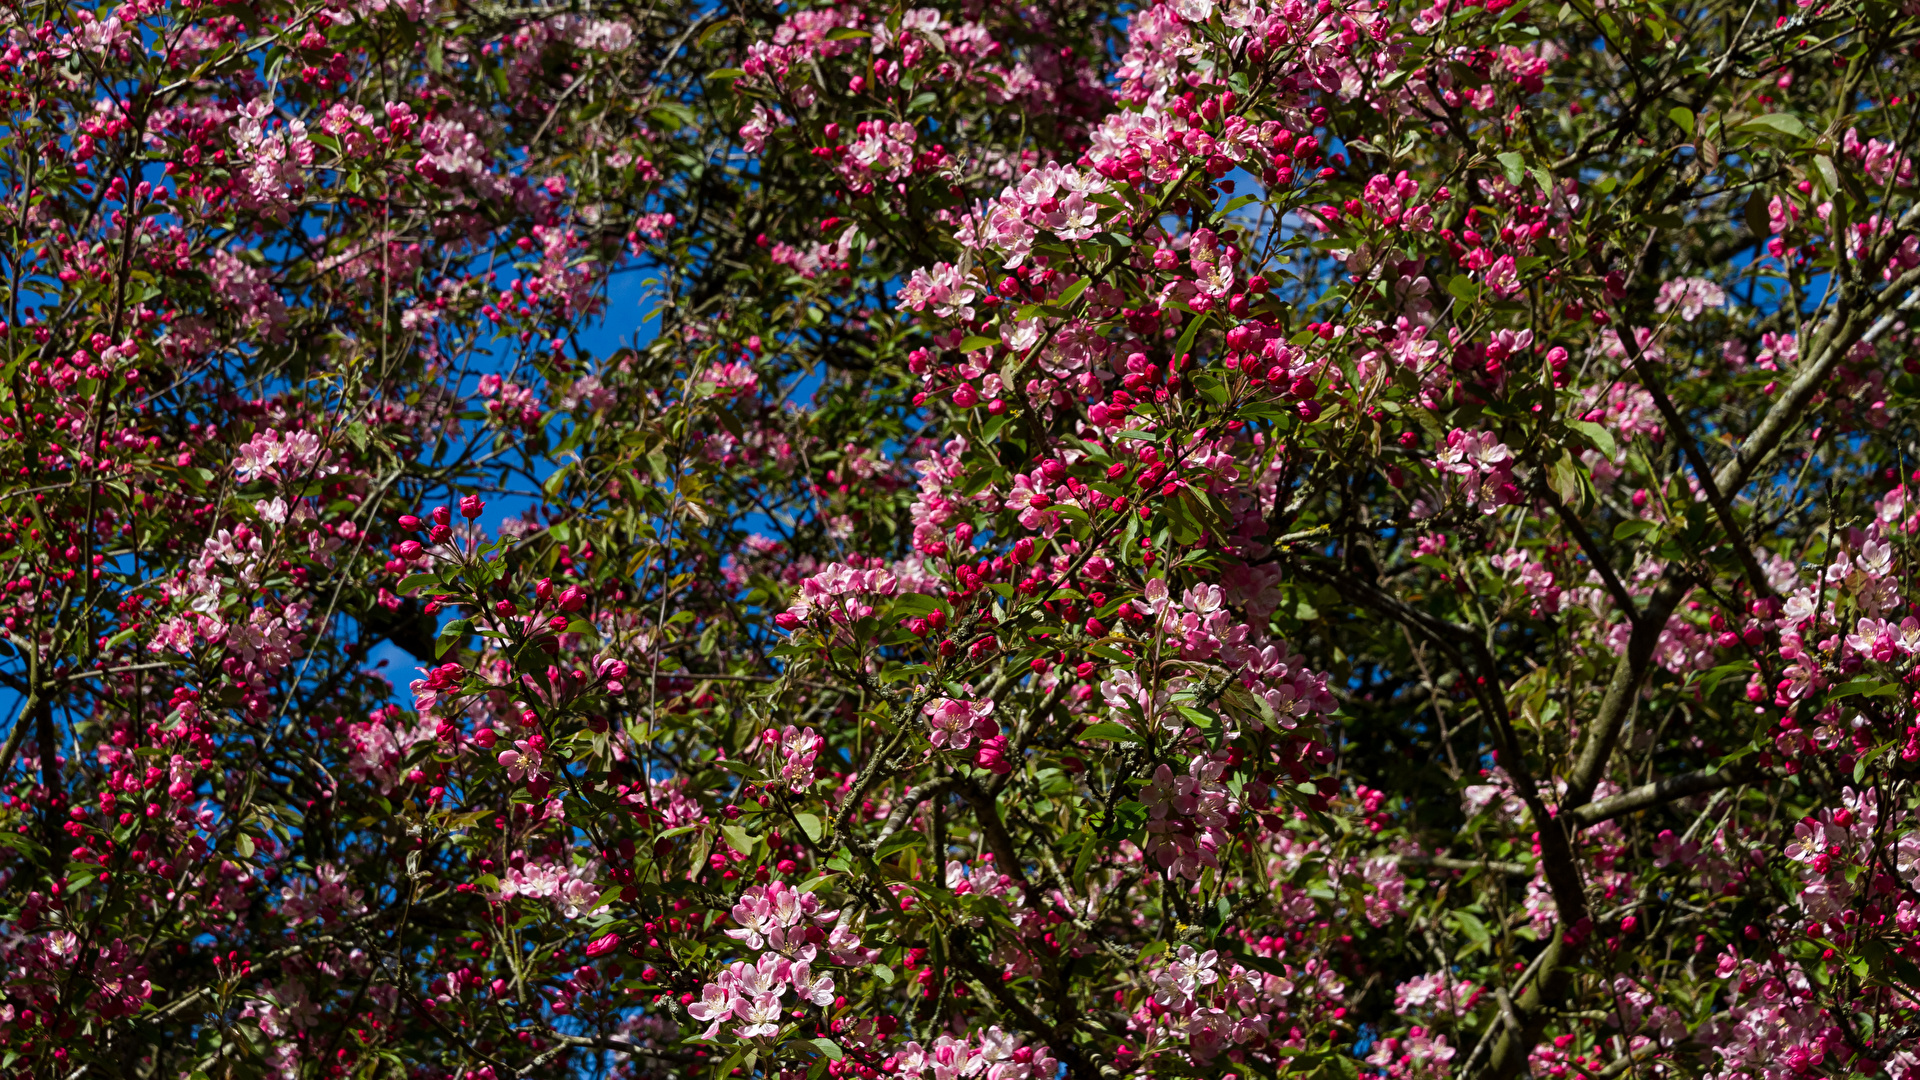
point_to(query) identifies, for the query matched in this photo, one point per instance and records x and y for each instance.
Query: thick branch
(1443, 862)
(1837, 336)
(1658, 793)
(1549, 982)
(987, 812)
(1078, 1064)
(1601, 564)
(1556, 856)
(904, 809)
(1756, 578)
(1623, 688)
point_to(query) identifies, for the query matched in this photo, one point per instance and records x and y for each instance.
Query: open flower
(522, 761)
(762, 1016)
(954, 724)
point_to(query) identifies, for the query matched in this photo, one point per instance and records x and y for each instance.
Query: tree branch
(1658, 793)
(1443, 862)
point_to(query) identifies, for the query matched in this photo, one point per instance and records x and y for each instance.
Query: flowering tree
(1200, 539)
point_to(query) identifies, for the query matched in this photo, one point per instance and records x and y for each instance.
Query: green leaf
(1564, 477)
(829, 1048)
(1600, 437)
(1210, 387)
(723, 74)
(20, 843)
(1088, 845)
(1072, 292)
(1470, 925)
(1627, 530)
(976, 343)
(1829, 176)
(450, 635)
(1113, 732)
(1515, 166)
(742, 840)
(900, 842)
(1780, 123)
(1714, 678)
(912, 604)
(1682, 117)
(672, 115)
(810, 824)
(244, 845)
(1128, 817)
(1866, 688)
(1187, 336)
